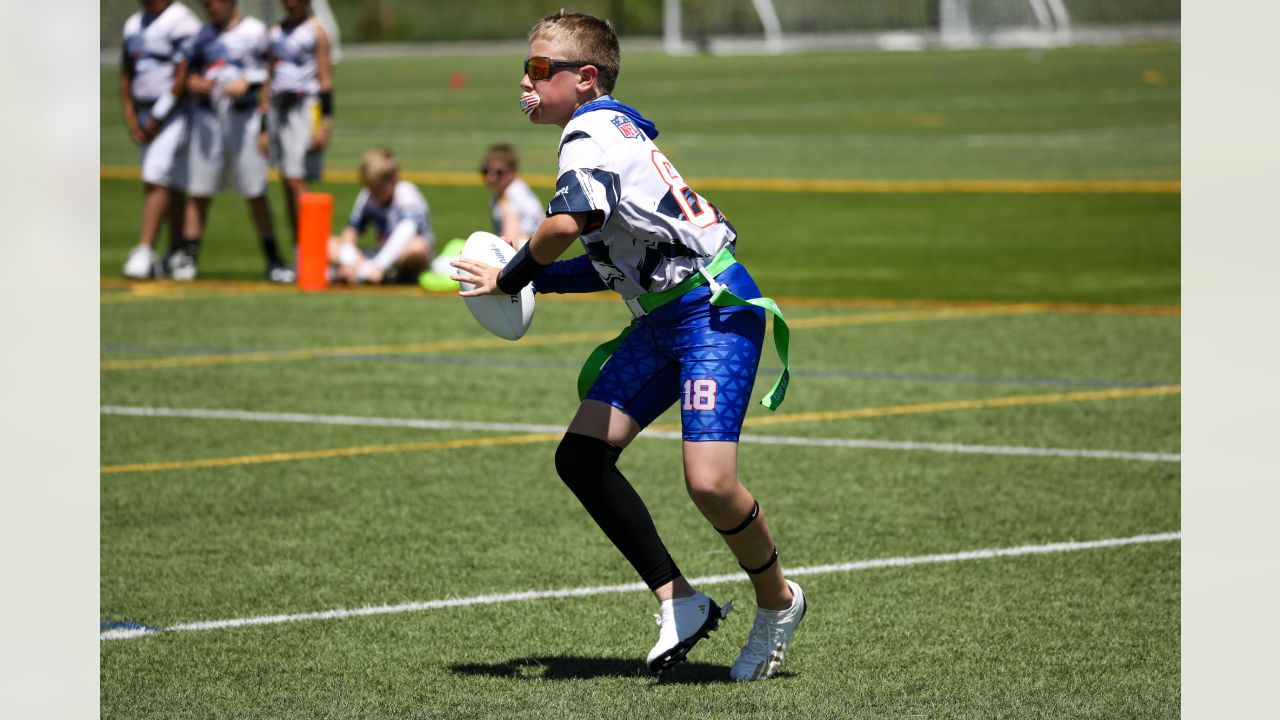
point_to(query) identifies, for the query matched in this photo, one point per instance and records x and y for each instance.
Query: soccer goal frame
(956, 28)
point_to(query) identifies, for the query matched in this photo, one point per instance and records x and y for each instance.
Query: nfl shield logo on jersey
(626, 127)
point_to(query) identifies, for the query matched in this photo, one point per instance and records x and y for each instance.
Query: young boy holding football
(669, 253)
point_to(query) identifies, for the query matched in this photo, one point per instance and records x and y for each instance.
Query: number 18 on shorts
(699, 394)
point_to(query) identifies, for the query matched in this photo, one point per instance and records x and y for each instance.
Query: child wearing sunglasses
(696, 338)
(516, 210)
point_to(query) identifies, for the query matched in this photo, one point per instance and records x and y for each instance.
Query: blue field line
(126, 625)
(982, 379)
(432, 359)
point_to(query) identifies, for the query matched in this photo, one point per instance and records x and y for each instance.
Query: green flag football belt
(721, 296)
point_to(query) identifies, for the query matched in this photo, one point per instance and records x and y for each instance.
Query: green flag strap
(591, 368)
(722, 297)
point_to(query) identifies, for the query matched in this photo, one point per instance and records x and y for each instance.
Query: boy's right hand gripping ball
(507, 316)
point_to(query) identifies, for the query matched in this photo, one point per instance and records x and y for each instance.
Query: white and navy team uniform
(150, 51)
(664, 248)
(224, 130)
(528, 207)
(408, 208)
(647, 231)
(295, 104)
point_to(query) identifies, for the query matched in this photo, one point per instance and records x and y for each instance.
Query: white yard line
(893, 562)
(425, 424)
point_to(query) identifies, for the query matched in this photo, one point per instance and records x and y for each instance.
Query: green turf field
(1014, 355)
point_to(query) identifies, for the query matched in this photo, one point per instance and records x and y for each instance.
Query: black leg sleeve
(588, 466)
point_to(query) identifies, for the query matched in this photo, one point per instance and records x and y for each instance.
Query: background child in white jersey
(515, 209)
(398, 212)
(663, 247)
(157, 121)
(300, 119)
(224, 69)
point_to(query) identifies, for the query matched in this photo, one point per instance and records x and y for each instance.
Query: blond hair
(377, 166)
(585, 38)
(504, 153)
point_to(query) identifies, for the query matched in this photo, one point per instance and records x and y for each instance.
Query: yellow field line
(325, 454)
(908, 316)
(1080, 308)
(170, 290)
(329, 352)
(479, 343)
(549, 437)
(116, 290)
(833, 185)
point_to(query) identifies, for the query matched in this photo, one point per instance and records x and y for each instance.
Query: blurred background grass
(1019, 115)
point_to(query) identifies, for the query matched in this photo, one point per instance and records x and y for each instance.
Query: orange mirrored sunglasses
(541, 68)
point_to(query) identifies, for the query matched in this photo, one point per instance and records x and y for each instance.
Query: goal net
(725, 26)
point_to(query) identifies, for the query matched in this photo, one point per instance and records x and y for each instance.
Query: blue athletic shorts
(689, 351)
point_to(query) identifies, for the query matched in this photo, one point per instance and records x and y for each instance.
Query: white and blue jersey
(239, 51)
(406, 204)
(150, 50)
(649, 230)
(519, 197)
(293, 59)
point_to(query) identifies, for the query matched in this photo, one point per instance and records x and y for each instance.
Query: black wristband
(326, 103)
(264, 123)
(519, 271)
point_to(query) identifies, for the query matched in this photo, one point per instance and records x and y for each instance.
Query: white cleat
(682, 622)
(761, 658)
(141, 263)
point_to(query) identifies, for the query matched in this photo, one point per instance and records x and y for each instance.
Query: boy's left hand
(483, 275)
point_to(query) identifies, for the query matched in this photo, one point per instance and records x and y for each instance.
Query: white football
(507, 316)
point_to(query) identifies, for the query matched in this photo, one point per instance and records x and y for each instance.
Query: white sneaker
(281, 274)
(141, 263)
(761, 658)
(682, 622)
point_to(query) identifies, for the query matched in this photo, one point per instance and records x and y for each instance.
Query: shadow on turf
(585, 668)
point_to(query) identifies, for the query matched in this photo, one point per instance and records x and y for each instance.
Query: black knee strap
(755, 510)
(756, 571)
